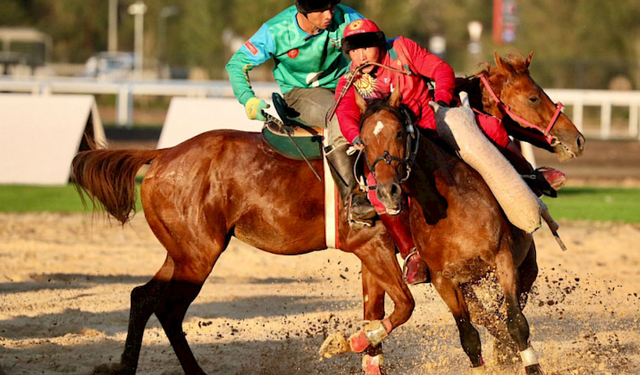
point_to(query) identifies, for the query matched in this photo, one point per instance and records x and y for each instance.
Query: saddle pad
(309, 144)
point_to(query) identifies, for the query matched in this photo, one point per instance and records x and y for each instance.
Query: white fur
(378, 128)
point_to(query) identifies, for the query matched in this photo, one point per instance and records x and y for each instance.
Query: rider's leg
(415, 270)
(341, 166)
(543, 181)
(313, 105)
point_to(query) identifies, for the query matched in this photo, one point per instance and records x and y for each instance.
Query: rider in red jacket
(422, 77)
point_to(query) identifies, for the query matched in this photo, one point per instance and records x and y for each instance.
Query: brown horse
(458, 226)
(219, 184)
(508, 92)
(197, 195)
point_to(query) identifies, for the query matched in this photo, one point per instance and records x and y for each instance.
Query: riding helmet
(310, 6)
(362, 33)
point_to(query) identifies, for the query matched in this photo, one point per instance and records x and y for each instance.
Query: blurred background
(578, 45)
(586, 44)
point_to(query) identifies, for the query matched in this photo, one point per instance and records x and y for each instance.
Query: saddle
(289, 136)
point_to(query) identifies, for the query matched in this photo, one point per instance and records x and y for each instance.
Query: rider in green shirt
(304, 42)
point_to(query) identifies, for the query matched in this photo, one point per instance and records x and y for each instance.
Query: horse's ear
(362, 104)
(528, 62)
(396, 97)
(502, 65)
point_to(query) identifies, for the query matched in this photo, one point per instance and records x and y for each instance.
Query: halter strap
(551, 140)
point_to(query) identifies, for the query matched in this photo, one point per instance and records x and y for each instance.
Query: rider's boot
(415, 270)
(543, 180)
(355, 200)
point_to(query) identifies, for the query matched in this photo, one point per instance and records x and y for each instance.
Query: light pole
(475, 46)
(165, 13)
(138, 10)
(113, 25)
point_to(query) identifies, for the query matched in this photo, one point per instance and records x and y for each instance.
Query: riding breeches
(313, 105)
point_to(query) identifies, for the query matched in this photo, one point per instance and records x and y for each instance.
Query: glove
(254, 107)
(442, 103)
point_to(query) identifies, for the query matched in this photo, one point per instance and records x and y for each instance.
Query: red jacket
(426, 69)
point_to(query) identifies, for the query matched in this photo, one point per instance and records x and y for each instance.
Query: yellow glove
(254, 107)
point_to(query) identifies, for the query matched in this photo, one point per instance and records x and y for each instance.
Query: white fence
(125, 92)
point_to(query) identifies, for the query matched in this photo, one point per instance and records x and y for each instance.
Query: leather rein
(551, 140)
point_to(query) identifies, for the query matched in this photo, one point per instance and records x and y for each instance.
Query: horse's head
(510, 92)
(386, 130)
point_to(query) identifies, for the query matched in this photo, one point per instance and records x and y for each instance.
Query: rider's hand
(358, 144)
(254, 107)
(444, 104)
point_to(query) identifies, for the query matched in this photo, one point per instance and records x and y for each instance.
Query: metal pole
(138, 10)
(113, 25)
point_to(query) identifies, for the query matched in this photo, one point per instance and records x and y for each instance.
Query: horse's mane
(402, 112)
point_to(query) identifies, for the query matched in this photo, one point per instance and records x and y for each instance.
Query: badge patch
(293, 53)
(251, 47)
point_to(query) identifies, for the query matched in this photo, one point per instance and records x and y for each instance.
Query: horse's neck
(477, 94)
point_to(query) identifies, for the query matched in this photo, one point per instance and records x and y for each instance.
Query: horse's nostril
(580, 142)
(395, 190)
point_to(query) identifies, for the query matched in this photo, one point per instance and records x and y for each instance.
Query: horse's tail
(108, 178)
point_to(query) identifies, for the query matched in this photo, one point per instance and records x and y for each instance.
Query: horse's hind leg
(453, 296)
(516, 322)
(373, 295)
(144, 300)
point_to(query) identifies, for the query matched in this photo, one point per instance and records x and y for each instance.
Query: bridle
(412, 145)
(551, 140)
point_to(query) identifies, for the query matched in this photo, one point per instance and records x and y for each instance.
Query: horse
(219, 184)
(508, 92)
(199, 194)
(458, 227)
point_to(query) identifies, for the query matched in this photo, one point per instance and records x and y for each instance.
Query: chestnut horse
(219, 184)
(458, 226)
(201, 192)
(508, 92)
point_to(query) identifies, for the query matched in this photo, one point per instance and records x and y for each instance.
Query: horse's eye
(534, 100)
(399, 135)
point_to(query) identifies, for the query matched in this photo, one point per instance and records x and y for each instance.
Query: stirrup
(405, 267)
(355, 223)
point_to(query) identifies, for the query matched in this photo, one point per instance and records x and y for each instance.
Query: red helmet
(362, 33)
(310, 6)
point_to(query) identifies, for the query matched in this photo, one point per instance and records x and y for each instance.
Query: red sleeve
(431, 66)
(348, 112)
(492, 127)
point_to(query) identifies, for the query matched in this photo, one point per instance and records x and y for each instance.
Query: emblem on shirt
(251, 47)
(366, 86)
(293, 53)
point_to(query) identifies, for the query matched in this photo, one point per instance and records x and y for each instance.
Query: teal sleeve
(255, 51)
(238, 70)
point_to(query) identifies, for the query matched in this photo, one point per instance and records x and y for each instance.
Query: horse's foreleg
(527, 274)
(382, 266)
(516, 321)
(373, 302)
(144, 300)
(452, 295)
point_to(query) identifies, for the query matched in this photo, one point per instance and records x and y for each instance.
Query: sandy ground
(65, 281)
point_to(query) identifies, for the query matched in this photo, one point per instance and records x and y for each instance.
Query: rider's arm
(255, 51)
(348, 112)
(429, 65)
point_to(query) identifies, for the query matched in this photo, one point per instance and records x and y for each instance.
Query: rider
(412, 70)
(304, 42)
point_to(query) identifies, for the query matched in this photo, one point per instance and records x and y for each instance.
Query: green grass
(596, 204)
(15, 198)
(573, 203)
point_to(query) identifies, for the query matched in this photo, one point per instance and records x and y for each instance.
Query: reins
(412, 145)
(551, 140)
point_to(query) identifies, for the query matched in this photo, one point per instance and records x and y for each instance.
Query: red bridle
(551, 140)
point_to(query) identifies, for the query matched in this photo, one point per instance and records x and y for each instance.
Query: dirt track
(66, 279)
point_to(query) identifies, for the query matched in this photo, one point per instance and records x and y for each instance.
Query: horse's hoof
(113, 369)
(335, 344)
(534, 370)
(372, 365)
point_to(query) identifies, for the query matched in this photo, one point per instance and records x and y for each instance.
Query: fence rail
(126, 91)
